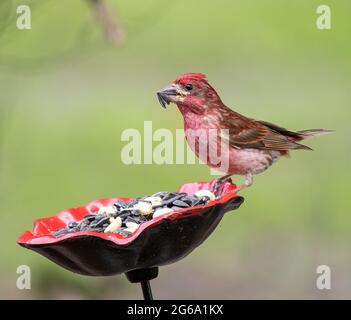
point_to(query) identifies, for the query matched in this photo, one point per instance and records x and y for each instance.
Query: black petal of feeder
(157, 242)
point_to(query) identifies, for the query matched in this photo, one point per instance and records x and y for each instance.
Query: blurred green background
(67, 94)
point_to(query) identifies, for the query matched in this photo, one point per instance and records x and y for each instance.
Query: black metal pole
(147, 292)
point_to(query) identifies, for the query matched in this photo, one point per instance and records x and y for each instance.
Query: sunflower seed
(135, 219)
(100, 222)
(160, 194)
(90, 217)
(120, 204)
(82, 226)
(132, 203)
(124, 217)
(180, 203)
(170, 200)
(124, 232)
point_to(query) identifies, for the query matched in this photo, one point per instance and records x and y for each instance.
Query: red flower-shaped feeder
(160, 241)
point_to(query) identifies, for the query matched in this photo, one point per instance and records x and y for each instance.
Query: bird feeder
(157, 242)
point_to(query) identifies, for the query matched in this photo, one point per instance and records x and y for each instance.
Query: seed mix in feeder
(125, 217)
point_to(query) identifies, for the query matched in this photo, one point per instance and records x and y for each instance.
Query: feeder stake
(147, 292)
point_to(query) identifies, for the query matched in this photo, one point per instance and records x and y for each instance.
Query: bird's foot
(248, 182)
(217, 187)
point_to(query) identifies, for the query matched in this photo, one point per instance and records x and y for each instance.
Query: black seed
(180, 203)
(196, 202)
(125, 214)
(90, 217)
(170, 195)
(136, 219)
(96, 229)
(124, 233)
(191, 197)
(72, 224)
(120, 204)
(132, 203)
(60, 232)
(100, 222)
(170, 200)
(160, 194)
(202, 200)
(82, 226)
(187, 201)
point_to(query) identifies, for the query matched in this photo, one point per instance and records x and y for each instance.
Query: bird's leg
(216, 186)
(248, 182)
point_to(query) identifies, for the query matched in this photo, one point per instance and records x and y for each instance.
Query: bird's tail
(313, 133)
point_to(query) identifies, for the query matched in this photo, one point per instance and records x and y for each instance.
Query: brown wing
(294, 135)
(249, 133)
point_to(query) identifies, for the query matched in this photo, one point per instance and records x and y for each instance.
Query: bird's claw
(218, 186)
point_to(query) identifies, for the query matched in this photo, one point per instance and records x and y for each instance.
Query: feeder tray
(157, 242)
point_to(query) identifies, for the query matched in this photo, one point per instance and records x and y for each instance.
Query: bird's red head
(191, 92)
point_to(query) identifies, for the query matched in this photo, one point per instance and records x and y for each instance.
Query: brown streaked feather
(295, 135)
(249, 133)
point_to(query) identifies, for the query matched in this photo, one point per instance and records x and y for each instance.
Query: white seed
(145, 208)
(154, 200)
(114, 225)
(131, 227)
(161, 211)
(202, 193)
(107, 210)
(111, 219)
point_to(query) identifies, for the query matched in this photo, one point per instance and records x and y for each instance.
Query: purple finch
(253, 146)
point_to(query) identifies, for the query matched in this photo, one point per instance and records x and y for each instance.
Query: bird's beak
(167, 95)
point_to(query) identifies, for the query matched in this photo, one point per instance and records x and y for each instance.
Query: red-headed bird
(253, 145)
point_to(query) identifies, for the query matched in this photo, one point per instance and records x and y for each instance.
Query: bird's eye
(188, 87)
